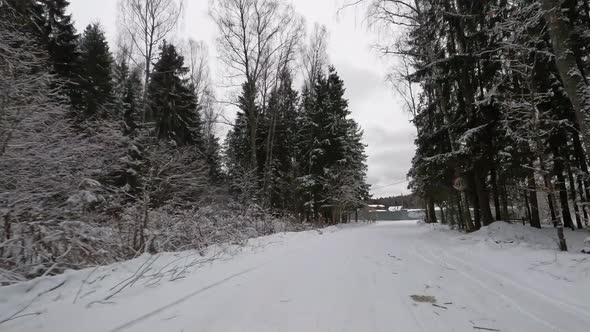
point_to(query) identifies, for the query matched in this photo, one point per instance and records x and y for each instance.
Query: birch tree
(249, 44)
(198, 63)
(315, 55)
(148, 23)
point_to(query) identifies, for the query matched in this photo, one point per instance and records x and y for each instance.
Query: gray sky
(388, 133)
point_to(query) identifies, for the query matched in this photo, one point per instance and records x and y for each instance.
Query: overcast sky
(388, 133)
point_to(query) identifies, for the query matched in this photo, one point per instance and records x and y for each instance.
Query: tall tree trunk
(483, 197)
(476, 212)
(532, 190)
(269, 156)
(252, 117)
(461, 214)
(560, 31)
(504, 197)
(496, 194)
(146, 115)
(546, 177)
(527, 206)
(475, 202)
(563, 199)
(451, 215)
(572, 184)
(426, 210)
(557, 222)
(551, 202)
(466, 212)
(431, 211)
(583, 184)
(583, 199)
(443, 219)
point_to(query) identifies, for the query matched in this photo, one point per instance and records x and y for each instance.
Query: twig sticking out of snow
(17, 313)
(84, 283)
(440, 306)
(138, 274)
(40, 278)
(485, 328)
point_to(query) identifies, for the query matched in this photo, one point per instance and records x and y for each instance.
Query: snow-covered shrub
(81, 192)
(38, 247)
(198, 228)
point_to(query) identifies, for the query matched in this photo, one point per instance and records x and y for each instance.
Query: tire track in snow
(516, 291)
(450, 325)
(508, 299)
(182, 299)
(552, 300)
(585, 315)
(285, 253)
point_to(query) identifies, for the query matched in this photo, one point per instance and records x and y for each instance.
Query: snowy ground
(354, 278)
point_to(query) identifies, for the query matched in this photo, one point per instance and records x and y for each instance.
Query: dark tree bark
(496, 194)
(461, 214)
(550, 200)
(504, 198)
(560, 31)
(583, 198)
(583, 185)
(443, 218)
(563, 199)
(534, 203)
(527, 206)
(483, 197)
(572, 185)
(431, 212)
(475, 202)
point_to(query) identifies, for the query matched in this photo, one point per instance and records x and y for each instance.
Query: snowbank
(346, 278)
(44, 247)
(502, 233)
(126, 282)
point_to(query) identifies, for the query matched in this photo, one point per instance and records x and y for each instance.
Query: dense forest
(110, 151)
(498, 91)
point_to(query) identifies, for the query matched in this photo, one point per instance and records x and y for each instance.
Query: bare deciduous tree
(210, 115)
(401, 80)
(251, 40)
(315, 56)
(197, 55)
(148, 23)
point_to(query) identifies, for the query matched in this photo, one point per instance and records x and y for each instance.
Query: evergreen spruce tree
(333, 161)
(502, 85)
(279, 128)
(96, 82)
(172, 101)
(55, 30)
(212, 154)
(238, 154)
(128, 92)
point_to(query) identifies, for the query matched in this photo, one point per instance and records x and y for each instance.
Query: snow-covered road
(357, 278)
